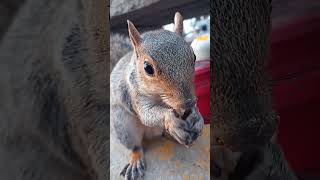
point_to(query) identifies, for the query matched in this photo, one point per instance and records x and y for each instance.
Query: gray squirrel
(152, 93)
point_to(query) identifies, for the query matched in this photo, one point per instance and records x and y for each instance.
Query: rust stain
(206, 131)
(203, 164)
(177, 163)
(185, 177)
(165, 152)
(193, 177)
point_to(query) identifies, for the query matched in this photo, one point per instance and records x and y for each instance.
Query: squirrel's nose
(188, 104)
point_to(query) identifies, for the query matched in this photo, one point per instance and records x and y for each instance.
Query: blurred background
(294, 65)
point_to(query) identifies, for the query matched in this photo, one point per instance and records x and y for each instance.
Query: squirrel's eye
(195, 57)
(148, 68)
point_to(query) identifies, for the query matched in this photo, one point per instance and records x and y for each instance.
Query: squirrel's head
(165, 65)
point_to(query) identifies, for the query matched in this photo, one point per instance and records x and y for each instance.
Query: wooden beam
(160, 13)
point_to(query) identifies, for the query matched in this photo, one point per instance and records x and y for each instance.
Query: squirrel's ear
(178, 23)
(134, 35)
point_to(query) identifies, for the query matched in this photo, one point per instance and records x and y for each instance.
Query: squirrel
(152, 93)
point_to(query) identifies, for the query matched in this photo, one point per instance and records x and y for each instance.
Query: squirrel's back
(118, 84)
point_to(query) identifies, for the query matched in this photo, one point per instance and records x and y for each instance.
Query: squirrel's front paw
(178, 128)
(135, 168)
(195, 123)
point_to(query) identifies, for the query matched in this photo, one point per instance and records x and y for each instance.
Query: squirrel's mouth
(183, 113)
(181, 108)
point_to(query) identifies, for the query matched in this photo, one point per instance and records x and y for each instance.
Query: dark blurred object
(295, 68)
(307, 177)
(288, 10)
(8, 8)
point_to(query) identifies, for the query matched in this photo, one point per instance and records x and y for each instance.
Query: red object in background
(295, 69)
(202, 86)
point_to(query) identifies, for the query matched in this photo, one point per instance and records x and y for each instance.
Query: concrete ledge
(167, 160)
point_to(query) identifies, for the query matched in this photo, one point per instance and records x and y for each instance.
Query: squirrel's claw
(124, 170)
(177, 128)
(134, 170)
(141, 168)
(195, 123)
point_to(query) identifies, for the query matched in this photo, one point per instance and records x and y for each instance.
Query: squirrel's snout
(185, 108)
(188, 104)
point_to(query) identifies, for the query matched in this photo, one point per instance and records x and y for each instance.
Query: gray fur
(54, 106)
(273, 166)
(243, 116)
(172, 53)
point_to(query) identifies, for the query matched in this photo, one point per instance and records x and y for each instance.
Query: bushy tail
(119, 46)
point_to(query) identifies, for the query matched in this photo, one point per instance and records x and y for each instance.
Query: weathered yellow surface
(168, 160)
